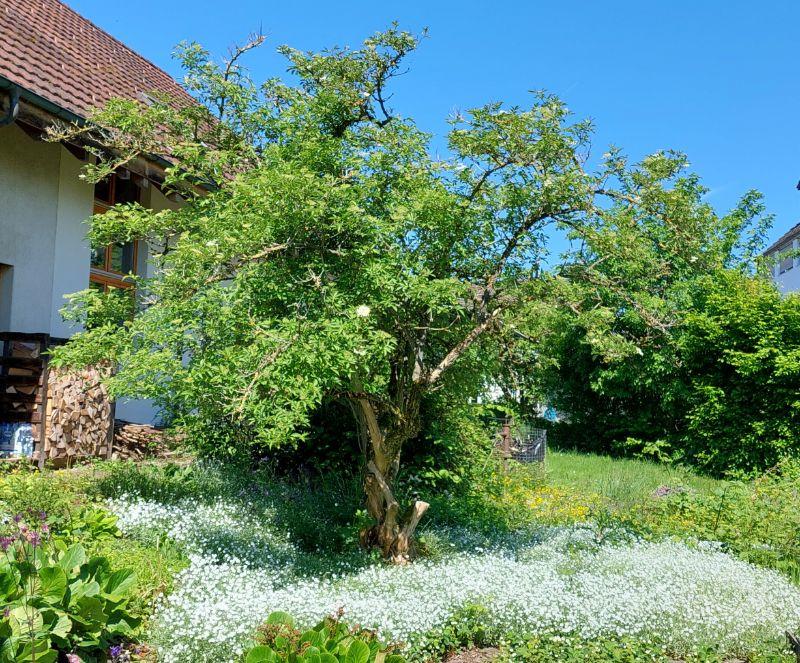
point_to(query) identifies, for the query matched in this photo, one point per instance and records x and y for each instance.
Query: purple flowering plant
(56, 602)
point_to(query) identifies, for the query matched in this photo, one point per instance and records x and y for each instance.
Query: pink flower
(73, 658)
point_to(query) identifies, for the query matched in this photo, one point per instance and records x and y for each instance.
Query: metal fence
(522, 442)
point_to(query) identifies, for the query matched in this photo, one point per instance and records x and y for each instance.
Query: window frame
(106, 276)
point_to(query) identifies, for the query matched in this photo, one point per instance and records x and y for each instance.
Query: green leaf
(325, 657)
(8, 583)
(312, 637)
(52, 584)
(26, 620)
(38, 651)
(395, 658)
(59, 624)
(280, 618)
(90, 609)
(73, 557)
(358, 653)
(119, 584)
(260, 654)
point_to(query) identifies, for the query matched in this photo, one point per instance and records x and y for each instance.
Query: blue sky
(717, 80)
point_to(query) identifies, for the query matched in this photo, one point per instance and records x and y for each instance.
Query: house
(57, 65)
(786, 260)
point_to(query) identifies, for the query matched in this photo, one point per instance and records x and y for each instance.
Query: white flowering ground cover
(562, 581)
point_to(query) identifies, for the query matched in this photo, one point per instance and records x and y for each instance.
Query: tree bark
(391, 532)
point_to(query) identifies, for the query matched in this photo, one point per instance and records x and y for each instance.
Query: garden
(338, 323)
(203, 563)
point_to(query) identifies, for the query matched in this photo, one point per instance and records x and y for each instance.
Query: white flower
(554, 580)
(363, 311)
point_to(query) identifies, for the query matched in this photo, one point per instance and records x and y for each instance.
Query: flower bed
(558, 580)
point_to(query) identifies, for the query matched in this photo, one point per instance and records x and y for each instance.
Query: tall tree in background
(331, 256)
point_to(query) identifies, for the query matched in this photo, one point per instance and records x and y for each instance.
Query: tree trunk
(391, 532)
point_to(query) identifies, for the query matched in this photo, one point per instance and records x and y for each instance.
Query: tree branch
(459, 349)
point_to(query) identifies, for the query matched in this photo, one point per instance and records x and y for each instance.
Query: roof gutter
(39, 101)
(17, 93)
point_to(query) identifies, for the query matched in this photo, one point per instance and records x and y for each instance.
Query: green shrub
(155, 568)
(58, 494)
(331, 641)
(57, 600)
(717, 390)
(757, 520)
(466, 629)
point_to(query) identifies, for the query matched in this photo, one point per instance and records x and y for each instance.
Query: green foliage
(570, 648)
(757, 520)
(331, 641)
(56, 599)
(54, 493)
(155, 567)
(717, 390)
(466, 629)
(333, 257)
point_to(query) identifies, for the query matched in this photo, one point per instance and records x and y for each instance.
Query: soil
(484, 655)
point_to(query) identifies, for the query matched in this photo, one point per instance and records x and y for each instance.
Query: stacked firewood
(79, 414)
(137, 441)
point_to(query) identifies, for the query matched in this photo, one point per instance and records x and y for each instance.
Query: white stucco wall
(71, 252)
(29, 181)
(789, 279)
(144, 410)
(44, 207)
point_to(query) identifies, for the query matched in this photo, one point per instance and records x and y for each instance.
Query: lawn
(598, 569)
(623, 481)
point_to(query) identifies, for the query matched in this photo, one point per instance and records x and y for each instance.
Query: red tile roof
(52, 51)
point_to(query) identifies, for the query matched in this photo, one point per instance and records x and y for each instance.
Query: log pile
(79, 415)
(20, 380)
(137, 441)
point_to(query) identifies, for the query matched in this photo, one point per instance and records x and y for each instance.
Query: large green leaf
(25, 620)
(313, 637)
(260, 654)
(52, 584)
(279, 617)
(57, 623)
(90, 609)
(358, 653)
(37, 651)
(73, 557)
(81, 588)
(118, 584)
(9, 582)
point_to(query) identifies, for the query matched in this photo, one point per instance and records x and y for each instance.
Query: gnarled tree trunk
(392, 532)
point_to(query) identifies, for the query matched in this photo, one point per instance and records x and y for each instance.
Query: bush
(155, 568)
(57, 494)
(757, 520)
(717, 391)
(57, 600)
(331, 641)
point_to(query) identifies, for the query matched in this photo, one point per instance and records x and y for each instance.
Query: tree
(324, 253)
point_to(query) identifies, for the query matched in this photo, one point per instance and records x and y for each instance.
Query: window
(786, 262)
(111, 264)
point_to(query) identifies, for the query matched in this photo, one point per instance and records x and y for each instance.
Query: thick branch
(388, 495)
(460, 349)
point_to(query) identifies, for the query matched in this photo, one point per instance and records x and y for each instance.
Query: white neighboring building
(786, 268)
(56, 65)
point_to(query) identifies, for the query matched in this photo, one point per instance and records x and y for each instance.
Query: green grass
(624, 482)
